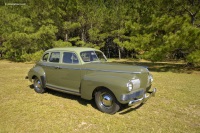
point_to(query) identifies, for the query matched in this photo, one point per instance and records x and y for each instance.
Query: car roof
(77, 49)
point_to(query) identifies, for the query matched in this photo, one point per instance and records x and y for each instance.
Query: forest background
(143, 29)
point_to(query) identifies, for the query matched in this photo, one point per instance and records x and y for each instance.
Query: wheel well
(99, 88)
(34, 76)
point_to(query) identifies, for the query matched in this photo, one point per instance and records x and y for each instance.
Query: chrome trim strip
(61, 67)
(63, 90)
(112, 71)
(71, 68)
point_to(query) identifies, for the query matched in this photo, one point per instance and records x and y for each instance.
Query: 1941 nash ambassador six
(85, 72)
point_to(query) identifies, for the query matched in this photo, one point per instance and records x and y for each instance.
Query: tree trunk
(119, 53)
(66, 37)
(192, 19)
(83, 35)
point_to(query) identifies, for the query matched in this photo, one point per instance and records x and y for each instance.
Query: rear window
(45, 57)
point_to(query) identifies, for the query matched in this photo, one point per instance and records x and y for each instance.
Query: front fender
(115, 84)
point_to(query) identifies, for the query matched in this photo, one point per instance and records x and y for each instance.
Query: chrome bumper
(144, 98)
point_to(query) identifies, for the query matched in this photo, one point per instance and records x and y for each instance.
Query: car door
(69, 72)
(63, 72)
(51, 69)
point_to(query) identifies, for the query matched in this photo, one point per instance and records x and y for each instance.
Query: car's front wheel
(38, 85)
(106, 101)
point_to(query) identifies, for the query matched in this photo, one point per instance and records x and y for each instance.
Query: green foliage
(70, 26)
(34, 57)
(45, 37)
(152, 29)
(194, 57)
(61, 43)
(74, 39)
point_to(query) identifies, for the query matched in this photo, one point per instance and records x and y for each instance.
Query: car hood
(115, 67)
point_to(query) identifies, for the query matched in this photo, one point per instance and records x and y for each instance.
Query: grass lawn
(175, 108)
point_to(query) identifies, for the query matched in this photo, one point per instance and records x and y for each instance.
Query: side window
(70, 58)
(85, 56)
(101, 56)
(55, 57)
(94, 56)
(45, 57)
(89, 56)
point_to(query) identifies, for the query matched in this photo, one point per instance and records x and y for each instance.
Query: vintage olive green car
(85, 72)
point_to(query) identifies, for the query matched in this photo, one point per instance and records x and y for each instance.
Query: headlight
(133, 84)
(130, 86)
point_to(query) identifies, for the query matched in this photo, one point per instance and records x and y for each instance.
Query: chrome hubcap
(106, 100)
(37, 84)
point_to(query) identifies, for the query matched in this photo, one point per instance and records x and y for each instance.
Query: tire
(106, 101)
(38, 87)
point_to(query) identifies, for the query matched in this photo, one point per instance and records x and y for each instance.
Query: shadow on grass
(72, 97)
(69, 96)
(31, 86)
(124, 109)
(163, 66)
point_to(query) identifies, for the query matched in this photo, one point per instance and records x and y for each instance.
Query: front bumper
(145, 97)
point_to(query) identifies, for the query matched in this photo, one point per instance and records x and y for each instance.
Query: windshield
(92, 56)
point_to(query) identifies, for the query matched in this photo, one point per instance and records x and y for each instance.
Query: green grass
(176, 107)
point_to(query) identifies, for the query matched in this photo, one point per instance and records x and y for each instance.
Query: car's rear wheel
(38, 85)
(106, 101)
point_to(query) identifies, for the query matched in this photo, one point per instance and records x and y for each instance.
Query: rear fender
(39, 72)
